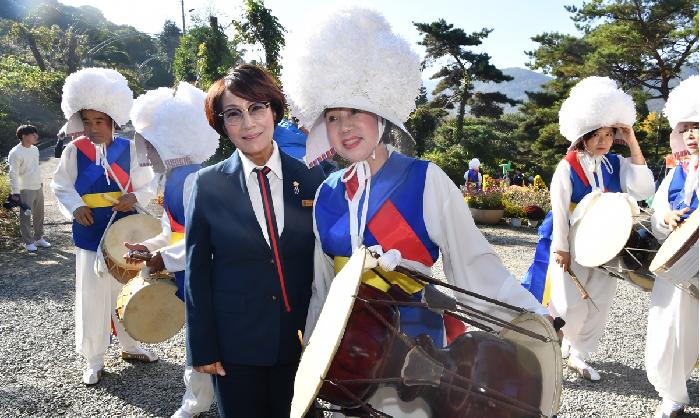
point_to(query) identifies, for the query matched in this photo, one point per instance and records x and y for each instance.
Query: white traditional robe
(95, 296)
(672, 329)
(584, 324)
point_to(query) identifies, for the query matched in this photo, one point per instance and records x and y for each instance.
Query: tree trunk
(32, 46)
(72, 59)
(459, 121)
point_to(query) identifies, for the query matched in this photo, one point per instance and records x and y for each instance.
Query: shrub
(9, 222)
(527, 196)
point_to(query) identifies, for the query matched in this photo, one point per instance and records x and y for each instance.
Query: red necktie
(271, 224)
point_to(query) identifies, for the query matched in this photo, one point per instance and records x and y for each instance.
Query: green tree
(640, 43)
(259, 25)
(204, 55)
(445, 42)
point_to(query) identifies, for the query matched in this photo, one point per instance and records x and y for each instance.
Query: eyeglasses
(234, 117)
(690, 128)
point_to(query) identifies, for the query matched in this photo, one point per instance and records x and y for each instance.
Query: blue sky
(513, 22)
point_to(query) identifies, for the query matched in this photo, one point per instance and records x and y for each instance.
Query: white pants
(672, 340)
(584, 323)
(199, 391)
(95, 299)
(386, 399)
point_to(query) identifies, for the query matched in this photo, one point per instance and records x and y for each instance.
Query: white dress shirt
(275, 179)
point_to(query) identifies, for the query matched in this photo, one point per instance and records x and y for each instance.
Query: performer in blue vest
(595, 111)
(250, 250)
(472, 177)
(92, 166)
(403, 208)
(174, 137)
(672, 331)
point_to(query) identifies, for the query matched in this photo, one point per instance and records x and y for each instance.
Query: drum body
(149, 310)
(134, 229)
(632, 264)
(677, 259)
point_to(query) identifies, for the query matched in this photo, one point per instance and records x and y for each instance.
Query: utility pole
(182, 7)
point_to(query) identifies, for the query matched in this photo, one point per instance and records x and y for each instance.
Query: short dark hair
(26, 130)
(249, 82)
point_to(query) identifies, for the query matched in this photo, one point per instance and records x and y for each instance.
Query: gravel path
(41, 374)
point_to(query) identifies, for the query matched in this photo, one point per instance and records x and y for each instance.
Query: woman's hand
(563, 258)
(627, 134)
(155, 264)
(560, 333)
(673, 217)
(214, 368)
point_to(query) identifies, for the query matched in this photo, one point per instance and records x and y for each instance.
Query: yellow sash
(409, 285)
(176, 236)
(95, 200)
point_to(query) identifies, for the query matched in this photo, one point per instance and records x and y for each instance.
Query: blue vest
(175, 210)
(402, 181)
(676, 194)
(611, 181)
(473, 176)
(92, 180)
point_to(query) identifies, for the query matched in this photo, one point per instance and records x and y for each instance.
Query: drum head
(133, 229)
(677, 244)
(603, 229)
(330, 327)
(152, 313)
(548, 354)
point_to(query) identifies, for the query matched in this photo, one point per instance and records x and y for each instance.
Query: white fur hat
(683, 105)
(174, 122)
(348, 57)
(101, 89)
(593, 103)
(474, 164)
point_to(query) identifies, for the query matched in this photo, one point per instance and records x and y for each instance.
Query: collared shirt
(275, 179)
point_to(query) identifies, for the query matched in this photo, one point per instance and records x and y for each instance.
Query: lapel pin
(296, 187)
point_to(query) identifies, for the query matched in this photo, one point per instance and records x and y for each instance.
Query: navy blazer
(234, 307)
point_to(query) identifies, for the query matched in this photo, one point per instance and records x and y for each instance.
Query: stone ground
(41, 374)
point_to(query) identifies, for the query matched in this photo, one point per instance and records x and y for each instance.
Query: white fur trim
(101, 89)
(174, 122)
(683, 105)
(595, 102)
(348, 57)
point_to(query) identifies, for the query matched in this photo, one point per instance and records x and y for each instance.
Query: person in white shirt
(94, 100)
(595, 111)
(174, 137)
(672, 330)
(403, 208)
(26, 187)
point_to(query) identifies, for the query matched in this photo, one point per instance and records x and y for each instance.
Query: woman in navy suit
(250, 246)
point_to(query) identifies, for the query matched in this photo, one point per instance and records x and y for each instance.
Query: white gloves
(387, 260)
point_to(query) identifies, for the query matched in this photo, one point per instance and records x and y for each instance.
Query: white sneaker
(139, 354)
(182, 413)
(92, 375)
(30, 247)
(668, 409)
(42, 243)
(585, 370)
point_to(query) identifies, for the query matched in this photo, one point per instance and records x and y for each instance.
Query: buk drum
(149, 310)
(132, 228)
(357, 348)
(677, 259)
(600, 227)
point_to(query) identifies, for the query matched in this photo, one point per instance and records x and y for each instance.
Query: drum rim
(657, 265)
(117, 259)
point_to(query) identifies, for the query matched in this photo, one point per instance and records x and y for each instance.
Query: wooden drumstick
(115, 201)
(581, 289)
